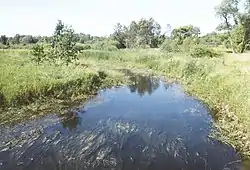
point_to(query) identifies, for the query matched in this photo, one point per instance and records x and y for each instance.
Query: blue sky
(98, 17)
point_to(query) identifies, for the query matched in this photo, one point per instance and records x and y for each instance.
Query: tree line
(233, 33)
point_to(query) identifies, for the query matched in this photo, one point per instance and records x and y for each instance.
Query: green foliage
(84, 38)
(214, 39)
(201, 51)
(174, 45)
(28, 39)
(107, 45)
(120, 35)
(188, 43)
(64, 45)
(191, 68)
(235, 22)
(181, 33)
(81, 47)
(3, 40)
(16, 39)
(142, 34)
(38, 54)
(170, 46)
(238, 38)
(22, 82)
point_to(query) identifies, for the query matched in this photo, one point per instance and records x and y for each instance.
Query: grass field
(222, 83)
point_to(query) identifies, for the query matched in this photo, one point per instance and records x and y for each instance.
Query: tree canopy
(235, 22)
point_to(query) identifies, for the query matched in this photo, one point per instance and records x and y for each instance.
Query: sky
(98, 17)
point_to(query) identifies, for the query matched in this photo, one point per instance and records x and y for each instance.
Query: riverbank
(28, 90)
(222, 83)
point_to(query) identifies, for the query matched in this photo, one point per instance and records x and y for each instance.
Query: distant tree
(28, 39)
(120, 35)
(36, 39)
(235, 22)
(3, 39)
(84, 38)
(214, 39)
(144, 33)
(46, 39)
(132, 32)
(183, 32)
(16, 39)
(149, 31)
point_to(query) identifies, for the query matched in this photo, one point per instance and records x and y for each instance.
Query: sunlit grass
(23, 82)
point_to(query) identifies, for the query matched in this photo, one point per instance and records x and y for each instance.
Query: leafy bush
(79, 47)
(238, 39)
(106, 45)
(170, 46)
(201, 51)
(189, 43)
(38, 54)
(63, 47)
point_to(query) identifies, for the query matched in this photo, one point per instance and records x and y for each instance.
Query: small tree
(38, 54)
(63, 47)
(3, 39)
(236, 23)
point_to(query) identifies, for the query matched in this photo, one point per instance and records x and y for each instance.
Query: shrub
(201, 51)
(63, 46)
(189, 43)
(170, 46)
(38, 54)
(81, 47)
(107, 45)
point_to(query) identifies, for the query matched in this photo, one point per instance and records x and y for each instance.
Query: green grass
(23, 83)
(222, 82)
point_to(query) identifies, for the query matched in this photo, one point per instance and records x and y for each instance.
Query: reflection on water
(143, 84)
(125, 130)
(70, 120)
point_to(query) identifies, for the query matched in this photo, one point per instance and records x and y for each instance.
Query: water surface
(147, 125)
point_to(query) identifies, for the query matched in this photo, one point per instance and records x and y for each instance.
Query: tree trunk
(243, 43)
(231, 43)
(229, 34)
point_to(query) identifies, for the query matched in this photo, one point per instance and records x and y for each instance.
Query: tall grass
(23, 82)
